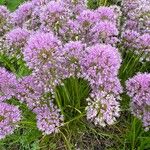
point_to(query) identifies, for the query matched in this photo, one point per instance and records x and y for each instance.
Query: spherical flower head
(73, 49)
(71, 30)
(102, 110)
(86, 18)
(144, 41)
(101, 58)
(33, 23)
(29, 91)
(52, 13)
(131, 25)
(4, 18)
(49, 78)
(104, 32)
(4, 13)
(100, 67)
(48, 119)
(72, 53)
(106, 14)
(17, 38)
(139, 85)
(41, 50)
(130, 5)
(138, 88)
(9, 117)
(8, 85)
(130, 37)
(22, 14)
(136, 29)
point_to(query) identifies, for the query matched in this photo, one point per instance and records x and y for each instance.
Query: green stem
(135, 63)
(58, 103)
(105, 2)
(128, 64)
(133, 139)
(76, 118)
(66, 141)
(102, 3)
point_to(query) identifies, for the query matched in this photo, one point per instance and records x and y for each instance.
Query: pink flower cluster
(100, 67)
(4, 20)
(9, 115)
(138, 88)
(136, 30)
(57, 40)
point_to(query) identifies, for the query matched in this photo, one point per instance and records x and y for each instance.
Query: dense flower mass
(9, 117)
(15, 40)
(59, 39)
(101, 60)
(4, 20)
(100, 67)
(106, 14)
(52, 15)
(22, 14)
(40, 2)
(48, 118)
(29, 91)
(105, 32)
(136, 30)
(72, 53)
(138, 88)
(8, 85)
(103, 109)
(41, 50)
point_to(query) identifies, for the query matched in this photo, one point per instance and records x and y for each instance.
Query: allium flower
(131, 24)
(87, 18)
(59, 39)
(53, 15)
(72, 53)
(144, 41)
(102, 109)
(106, 14)
(48, 118)
(75, 7)
(48, 78)
(130, 37)
(100, 67)
(8, 85)
(17, 38)
(40, 2)
(22, 14)
(4, 20)
(33, 23)
(70, 31)
(104, 32)
(138, 88)
(101, 60)
(136, 30)
(9, 117)
(29, 91)
(130, 5)
(41, 50)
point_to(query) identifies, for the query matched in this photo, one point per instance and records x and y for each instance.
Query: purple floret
(9, 117)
